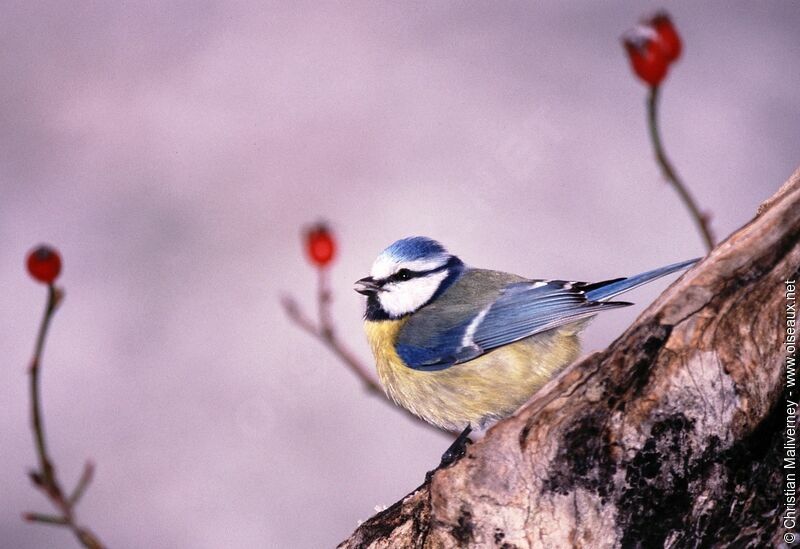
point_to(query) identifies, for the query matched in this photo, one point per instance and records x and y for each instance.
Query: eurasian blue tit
(462, 347)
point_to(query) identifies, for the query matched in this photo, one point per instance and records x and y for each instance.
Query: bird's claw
(455, 452)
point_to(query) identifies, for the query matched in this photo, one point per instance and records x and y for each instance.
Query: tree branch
(45, 478)
(673, 436)
(325, 332)
(327, 335)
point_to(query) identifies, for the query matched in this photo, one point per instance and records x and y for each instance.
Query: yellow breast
(477, 392)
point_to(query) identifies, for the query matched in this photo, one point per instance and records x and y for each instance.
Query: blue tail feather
(618, 286)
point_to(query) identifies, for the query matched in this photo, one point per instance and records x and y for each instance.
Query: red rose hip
(646, 55)
(44, 264)
(320, 245)
(668, 37)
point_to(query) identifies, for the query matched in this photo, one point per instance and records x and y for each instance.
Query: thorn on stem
(36, 478)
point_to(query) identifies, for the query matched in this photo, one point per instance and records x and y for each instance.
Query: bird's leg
(456, 450)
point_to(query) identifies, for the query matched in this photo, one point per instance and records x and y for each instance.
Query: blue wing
(520, 310)
(527, 309)
(485, 310)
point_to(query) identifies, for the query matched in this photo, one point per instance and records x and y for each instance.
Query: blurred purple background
(173, 154)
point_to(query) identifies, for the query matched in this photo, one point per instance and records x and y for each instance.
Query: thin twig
(701, 219)
(45, 466)
(328, 337)
(324, 299)
(47, 519)
(83, 483)
(325, 332)
(45, 478)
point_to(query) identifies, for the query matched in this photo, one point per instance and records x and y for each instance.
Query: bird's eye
(403, 274)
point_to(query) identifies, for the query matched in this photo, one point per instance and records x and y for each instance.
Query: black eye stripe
(408, 274)
(405, 274)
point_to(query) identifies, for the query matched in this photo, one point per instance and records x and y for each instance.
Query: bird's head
(406, 276)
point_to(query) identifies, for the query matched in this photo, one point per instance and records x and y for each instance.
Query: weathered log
(673, 436)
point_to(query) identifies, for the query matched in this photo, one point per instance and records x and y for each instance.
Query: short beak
(367, 286)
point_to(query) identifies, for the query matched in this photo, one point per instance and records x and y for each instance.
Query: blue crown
(413, 248)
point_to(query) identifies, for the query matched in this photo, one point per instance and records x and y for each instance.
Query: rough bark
(673, 436)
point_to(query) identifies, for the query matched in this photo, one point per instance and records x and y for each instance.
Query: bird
(464, 347)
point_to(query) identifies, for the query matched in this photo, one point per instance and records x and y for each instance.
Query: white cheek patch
(405, 297)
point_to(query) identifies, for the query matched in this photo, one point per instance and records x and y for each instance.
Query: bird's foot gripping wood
(454, 452)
